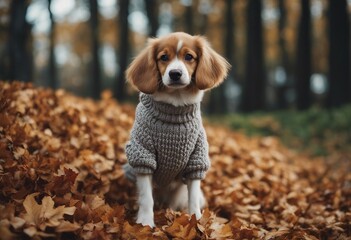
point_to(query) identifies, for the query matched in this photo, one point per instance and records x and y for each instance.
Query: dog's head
(177, 61)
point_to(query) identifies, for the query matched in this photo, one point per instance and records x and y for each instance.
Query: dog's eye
(164, 58)
(188, 57)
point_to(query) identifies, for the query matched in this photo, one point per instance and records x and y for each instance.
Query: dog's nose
(175, 74)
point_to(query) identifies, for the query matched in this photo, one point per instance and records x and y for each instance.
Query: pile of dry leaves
(61, 177)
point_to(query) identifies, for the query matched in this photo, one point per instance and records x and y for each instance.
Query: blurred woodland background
(63, 155)
(285, 54)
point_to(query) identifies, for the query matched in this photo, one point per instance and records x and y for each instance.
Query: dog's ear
(212, 68)
(142, 73)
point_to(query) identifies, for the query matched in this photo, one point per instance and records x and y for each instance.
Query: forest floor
(316, 132)
(61, 178)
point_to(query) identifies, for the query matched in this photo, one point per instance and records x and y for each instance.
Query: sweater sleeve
(140, 151)
(199, 161)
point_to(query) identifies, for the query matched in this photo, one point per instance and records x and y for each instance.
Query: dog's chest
(173, 147)
(174, 144)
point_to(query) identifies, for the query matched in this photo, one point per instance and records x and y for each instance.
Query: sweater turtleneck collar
(169, 113)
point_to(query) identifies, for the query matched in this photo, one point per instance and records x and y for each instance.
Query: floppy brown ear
(212, 68)
(142, 73)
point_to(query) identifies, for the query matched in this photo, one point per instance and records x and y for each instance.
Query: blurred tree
(303, 59)
(52, 64)
(189, 18)
(253, 97)
(218, 100)
(203, 24)
(152, 14)
(19, 42)
(123, 48)
(339, 54)
(94, 23)
(204, 9)
(229, 33)
(284, 57)
(4, 43)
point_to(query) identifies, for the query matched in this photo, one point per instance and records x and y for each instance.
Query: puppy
(168, 143)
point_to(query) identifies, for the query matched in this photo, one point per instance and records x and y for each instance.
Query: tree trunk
(94, 23)
(218, 100)
(284, 58)
(203, 24)
(188, 18)
(229, 35)
(254, 87)
(303, 59)
(52, 63)
(123, 48)
(339, 54)
(20, 64)
(152, 14)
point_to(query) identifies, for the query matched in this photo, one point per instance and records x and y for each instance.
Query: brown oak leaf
(45, 214)
(183, 228)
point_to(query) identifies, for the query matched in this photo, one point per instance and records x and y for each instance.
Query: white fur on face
(176, 94)
(179, 45)
(177, 64)
(185, 79)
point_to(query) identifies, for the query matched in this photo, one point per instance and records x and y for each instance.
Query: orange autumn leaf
(183, 228)
(62, 184)
(136, 231)
(221, 231)
(45, 214)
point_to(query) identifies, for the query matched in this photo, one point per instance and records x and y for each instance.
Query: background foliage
(314, 131)
(285, 54)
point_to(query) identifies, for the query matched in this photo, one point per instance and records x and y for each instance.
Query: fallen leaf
(44, 215)
(136, 231)
(183, 228)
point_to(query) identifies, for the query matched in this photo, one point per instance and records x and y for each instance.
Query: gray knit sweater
(167, 141)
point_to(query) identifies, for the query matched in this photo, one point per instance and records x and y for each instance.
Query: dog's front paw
(197, 213)
(146, 222)
(146, 219)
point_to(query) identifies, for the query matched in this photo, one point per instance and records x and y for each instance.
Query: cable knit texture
(167, 141)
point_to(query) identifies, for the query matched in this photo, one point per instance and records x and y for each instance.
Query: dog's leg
(145, 200)
(195, 194)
